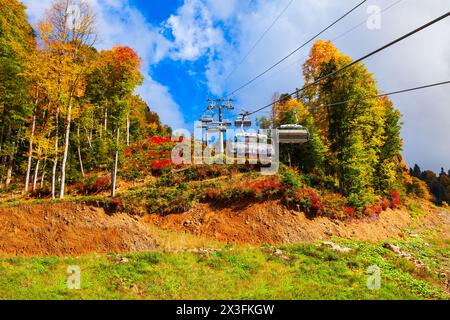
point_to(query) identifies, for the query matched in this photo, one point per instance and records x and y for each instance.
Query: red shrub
(212, 193)
(128, 152)
(100, 184)
(308, 200)
(376, 209)
(267, 186)
(385, 204)
(160, 165)
(396, 201)
(349, 211)
(159, 140)
(76, 188)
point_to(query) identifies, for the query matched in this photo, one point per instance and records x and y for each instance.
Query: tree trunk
(88, 136)
(43, 173)
(30, 153)
(10, 160)
(128, 130)
(9, 171)
(66, 151)
(79, 151)
(106, 120)
(36, 172)
(55, 161)
(114, 171)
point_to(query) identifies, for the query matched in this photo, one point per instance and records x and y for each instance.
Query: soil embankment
(66, 229)
(272, 223)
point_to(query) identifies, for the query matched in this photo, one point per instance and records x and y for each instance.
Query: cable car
(217, 129)
(242, 122)
(207, 118)
(227, 123)
(292, 133)
(202, 126)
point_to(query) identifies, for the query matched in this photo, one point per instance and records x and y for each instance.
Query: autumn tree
(66, 36)
(361, 134)
(16, 40)
(111, 85)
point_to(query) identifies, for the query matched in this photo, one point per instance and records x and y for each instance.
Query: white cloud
(161, 101)
(193, 31)
(119, 23)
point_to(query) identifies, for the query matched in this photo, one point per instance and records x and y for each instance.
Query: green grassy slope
(232, 272)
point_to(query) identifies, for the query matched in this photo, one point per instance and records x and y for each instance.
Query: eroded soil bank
(68, 229)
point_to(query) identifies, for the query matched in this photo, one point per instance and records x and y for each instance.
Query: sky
(190, 47)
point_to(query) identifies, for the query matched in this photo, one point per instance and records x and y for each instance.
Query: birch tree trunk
(106, 120)
(10, 166)
(79, 151)
(10, 160)
(43, 173)
(66, 151)
(36, 172)
(30, 153)
(55, 161)
(128, 130)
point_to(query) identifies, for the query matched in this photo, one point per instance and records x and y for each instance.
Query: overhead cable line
(381, 95)
(360, 59)
(259, 40)
(298, 48)
(290, 65)
(363, 22)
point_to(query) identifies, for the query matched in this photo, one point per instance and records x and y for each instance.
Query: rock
(276, 253)
(392, 248)
(405, 255)
(336, 247)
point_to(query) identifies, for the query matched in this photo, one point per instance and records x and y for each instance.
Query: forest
(66, 109)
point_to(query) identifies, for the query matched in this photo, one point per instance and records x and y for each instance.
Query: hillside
(153, 257)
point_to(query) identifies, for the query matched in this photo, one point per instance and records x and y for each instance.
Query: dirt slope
(66, 229)
(271, 223)
(69, 229)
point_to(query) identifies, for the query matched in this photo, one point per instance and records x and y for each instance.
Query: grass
(231, 272)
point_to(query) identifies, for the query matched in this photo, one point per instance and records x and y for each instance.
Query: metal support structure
(220, 105)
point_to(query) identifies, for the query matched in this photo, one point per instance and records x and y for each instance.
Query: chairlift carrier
(293, 133)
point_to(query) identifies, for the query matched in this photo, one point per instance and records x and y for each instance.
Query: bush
(76, 188)
(244, 190)
(290, 179)
(96, 184)
(170, 200)
(385, 204)
(306, 199)
(394, 197)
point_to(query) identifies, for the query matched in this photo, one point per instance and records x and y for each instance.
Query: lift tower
(220, 105)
